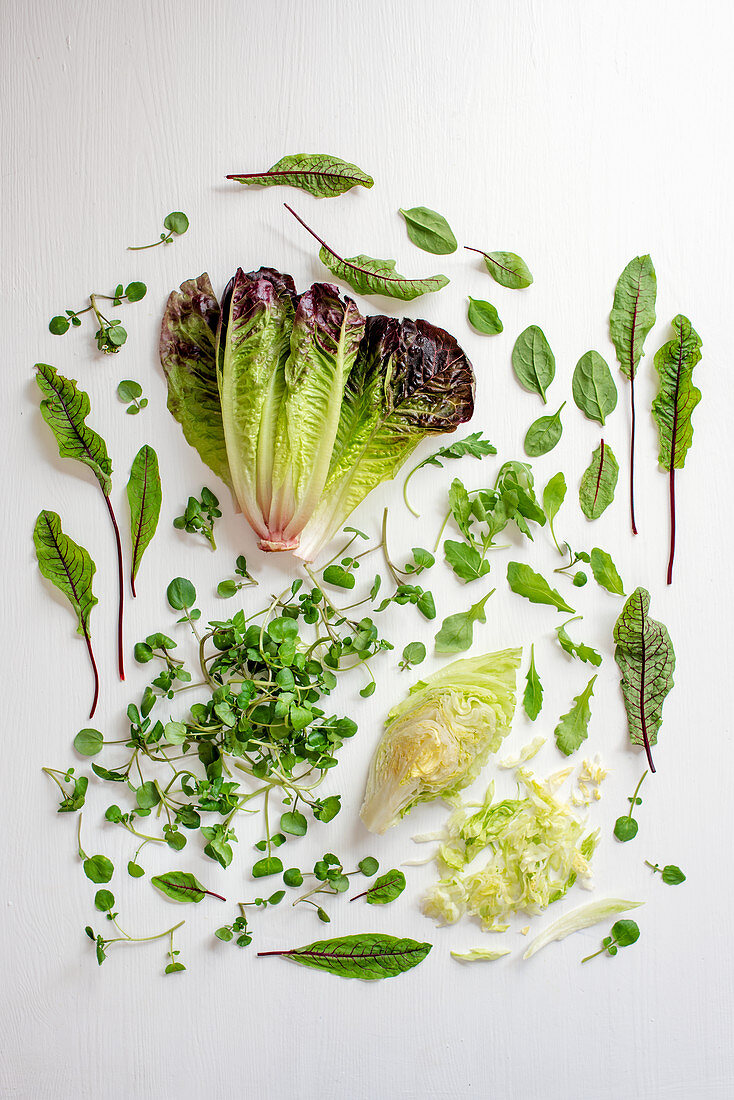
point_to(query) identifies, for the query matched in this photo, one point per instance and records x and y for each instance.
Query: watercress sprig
(110, 335)
(174, 225)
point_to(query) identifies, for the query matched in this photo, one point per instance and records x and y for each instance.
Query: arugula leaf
(457, 631)
(577, 649)
(384, 889)
(429, 231)
(593, 387)
(631, 318)
(473, 445)
(554, 495)
(605, 572)
(572, 728)
(70, 568)
(182, 886)
(506, 268)
(319, 174)
(533, 361)
(144, 496)
(367, 275)
(524, 581)
(369, 955)
(672, 407)
(466, 561)
(598, 482)
(532, 700)
(645, 655)
(543, 434)
(484, 317)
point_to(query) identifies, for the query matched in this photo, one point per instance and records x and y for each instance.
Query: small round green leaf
(292, 877)
(88, 742)
(293, 823)
(625, 932)
(98, 868)
(484, 317)
(104, 900)
(226, 589)
(116, 335)
(177, 222)
(271, 865)
(128, 390)
(673, 875)
(58, 326)
(414, 653)
(175, 733)
(369, 866)
(147, 795)
(135, 870)
(135, 291)
(625, 828)
(181, 594)
(225, 934)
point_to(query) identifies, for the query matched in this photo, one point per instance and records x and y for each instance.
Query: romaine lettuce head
(438, 740)
(300, 404)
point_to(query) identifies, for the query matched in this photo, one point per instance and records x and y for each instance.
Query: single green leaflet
(626, 827)
(65, 409)
(623, 934)
(573, 728)
(367, 275)
(429, 230)
(532, 700)
(466, 561)
(369, 955)
(384, 889)
(484, 317)
(524, 581)
(70, 568)
(533, 361)
(598, 482)
(506, 268)
(670, 874)
(543, 434)
(593, 387)
(182, 886)
(605, 572)
(144, 497)
(457, 631)
(320, 174)
(88, 742)
(646, 658)
(672, 407)
(577, 649)
(631, 318)
(554, 495)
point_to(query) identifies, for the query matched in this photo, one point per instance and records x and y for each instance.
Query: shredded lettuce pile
(299, 403)
(438, 739)
(537, 851)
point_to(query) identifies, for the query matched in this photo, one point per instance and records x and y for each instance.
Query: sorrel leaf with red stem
(144, 497)
(369, 956)
(318, 173)
(673, 406)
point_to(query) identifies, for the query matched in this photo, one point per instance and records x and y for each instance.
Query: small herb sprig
(671, 875)
(228, 588)
(104, 901)
(131, 391)
(625, 828)
(331, 879)
(199, 516)
(474, 445)
(623, 933)
(174, 224)
(110, 335)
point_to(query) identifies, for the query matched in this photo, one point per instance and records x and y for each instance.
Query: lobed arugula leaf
(457, 631)
(524, 581)
(577, 649)
(572, 728)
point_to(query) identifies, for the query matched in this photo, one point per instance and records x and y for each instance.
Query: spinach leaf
(429, 231)
(577, 649)
(572, 728)
(598, 482)
(367, 275)
(605, 572)
(645, 655)
(532, 700)
(70, 569)
(506, 268)
(369, 955)
(533, 361)
(672, 407)
(524, 581)
(484, 317)
(144, 496)
(543, 434)
(457, 631)
(593, 387)
(317, 173)
(631, 318)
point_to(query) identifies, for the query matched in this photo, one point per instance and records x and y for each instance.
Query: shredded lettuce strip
(582, 917)
(537, 851)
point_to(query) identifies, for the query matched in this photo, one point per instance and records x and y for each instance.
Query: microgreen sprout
(671, 875)
(130, 391)
(228, 588)
(625, 828)
(175, 224)
(624, 933)
(579, 578)
(104, 901)
(110, 335)
(199, 516)
(331, 879)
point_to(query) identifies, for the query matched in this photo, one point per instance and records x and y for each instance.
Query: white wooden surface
(577, 134)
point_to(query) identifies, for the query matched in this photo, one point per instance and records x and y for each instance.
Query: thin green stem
(634, 796)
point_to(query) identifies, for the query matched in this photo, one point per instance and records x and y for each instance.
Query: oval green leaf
(543, 434)
(176, 222)
(88, 742)
(179, 886)
(181, 594)
(598, 482)
(533, 361)
(320, 174)
(593, 387)
(484, 317)
(429, 231)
